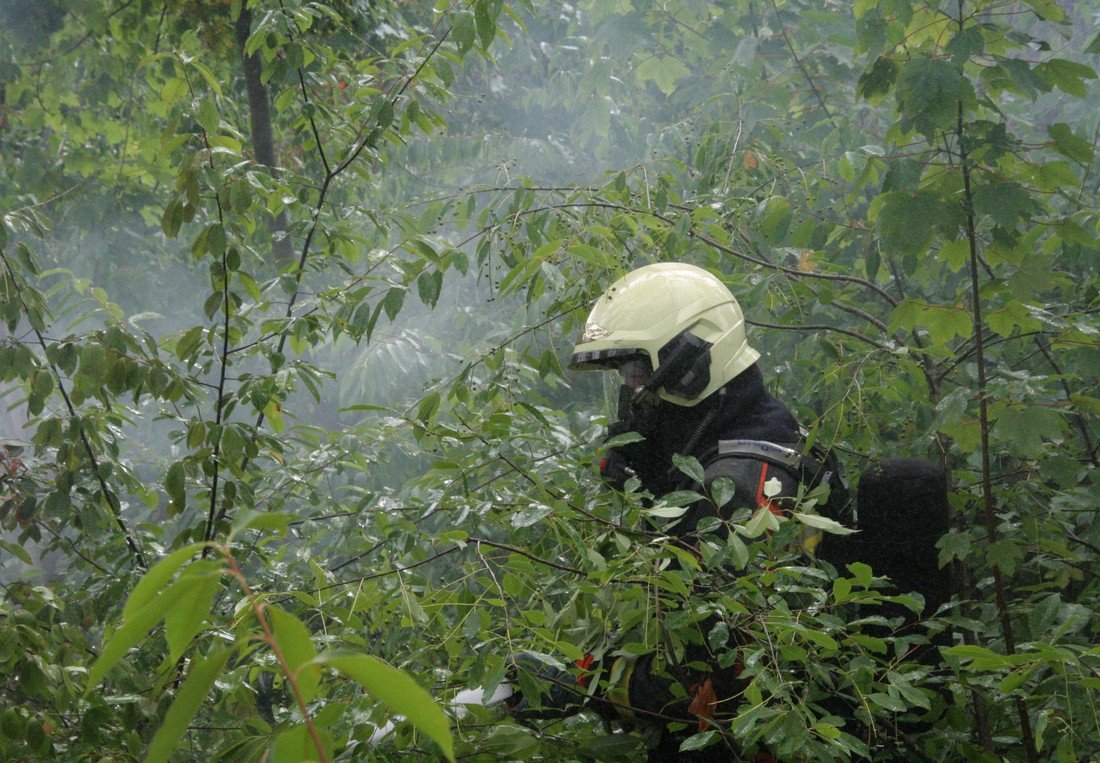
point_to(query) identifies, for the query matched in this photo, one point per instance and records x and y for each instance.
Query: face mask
(634, 399)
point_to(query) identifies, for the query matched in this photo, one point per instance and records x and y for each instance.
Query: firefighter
(691, 385)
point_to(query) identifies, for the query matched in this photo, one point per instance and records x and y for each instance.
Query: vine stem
(1000, 596)
(259, 608)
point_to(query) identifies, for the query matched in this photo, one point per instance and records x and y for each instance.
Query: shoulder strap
(818, 466)
(763, 450)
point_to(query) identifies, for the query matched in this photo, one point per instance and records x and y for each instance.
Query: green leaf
(885, 700)
(689, 466)
(722, 490)
(763, 520)
(929, 92)
(428, 286)
(966, 43)
(943, 323)
(392, 302)
(1048, 10)
(1070, 145)
(862, 573)
(1026, 428)
(980, 657)
(173, 91)
(1005, 203)
(666, 512)
(1068, 76)
(877, 81)
(738, 550)
(297, 649)
(172, 218)
(486, 24)
(296, 744)
(623, 439)
(200, 677)
(463, 30)
(681, 497)
(822, 523)
(255, 519)
(192, 606)
(698, 741)
(131, 631)
(1013, 680)
(774, 217)
(664, 71)
(18, 551)
(530, 514)
(399, 692)
(174, 483)
(153, 581)
(908, 220)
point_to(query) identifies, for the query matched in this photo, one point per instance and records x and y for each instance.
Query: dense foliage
(287, 445)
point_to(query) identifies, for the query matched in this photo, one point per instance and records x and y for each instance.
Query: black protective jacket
(741, 410)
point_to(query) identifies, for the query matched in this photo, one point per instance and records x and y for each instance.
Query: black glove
(614, 469)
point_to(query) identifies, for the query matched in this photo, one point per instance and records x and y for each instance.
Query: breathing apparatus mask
(634, 373)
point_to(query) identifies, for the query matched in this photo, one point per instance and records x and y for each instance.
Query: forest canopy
(289, 452)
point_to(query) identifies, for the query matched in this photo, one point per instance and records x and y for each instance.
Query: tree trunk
(263, 142)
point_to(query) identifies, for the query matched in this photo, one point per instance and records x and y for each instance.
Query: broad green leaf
(428, 286)
(877, 81)
(190, 697)
(16, 550)
(296, 646)
(1068, 76)
(699, 741)
(1070, 145)
(623, 439)
(722, 491)
(174, 484)
(192, 606)
(822, 523)
(297, 745)
(463, 30)
(762, 521)
(908, 220)
(1006, 203)
(392, 302)
(254, 519)
(738, 550)
(531, 514)
(1028, 427)
(485, 22)
(666, 512)
(132, 630)
(862, 573)
(1048, 10)
(929, 92)
(689, 466)
(154, 581)
(173, 91)
(399, 692)
(664, 71)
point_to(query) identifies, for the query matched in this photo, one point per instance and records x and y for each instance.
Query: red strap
(763, 500)
(584, 664)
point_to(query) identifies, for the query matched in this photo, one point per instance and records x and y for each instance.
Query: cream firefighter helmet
(680, 319)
